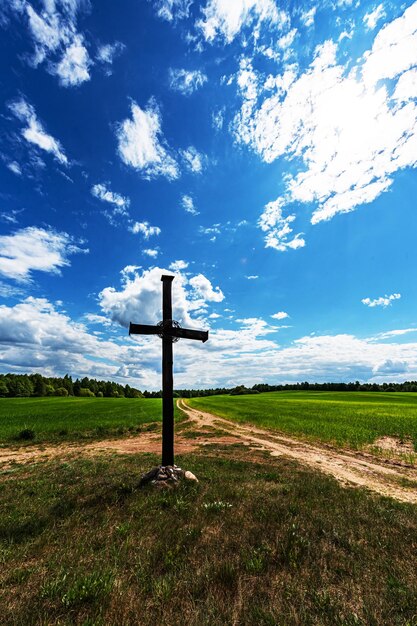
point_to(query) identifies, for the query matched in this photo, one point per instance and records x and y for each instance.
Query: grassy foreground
(56, 419)
(344, 418)
(254, 543)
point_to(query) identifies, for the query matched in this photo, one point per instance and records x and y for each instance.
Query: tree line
(36, 385)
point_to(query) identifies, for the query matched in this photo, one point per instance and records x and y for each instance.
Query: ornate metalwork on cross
(170, 331)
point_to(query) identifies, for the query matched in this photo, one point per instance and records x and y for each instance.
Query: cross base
(166, 477)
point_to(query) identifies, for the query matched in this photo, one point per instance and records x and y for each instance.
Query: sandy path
(349, 468)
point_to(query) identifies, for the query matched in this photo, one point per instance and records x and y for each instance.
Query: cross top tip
(166, 277)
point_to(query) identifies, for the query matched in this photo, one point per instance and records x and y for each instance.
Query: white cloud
(203, 287)
(347, 129)
(194, 160)
(35, 249)
(225, 19)
(141, 143)
(139, 300)
(35, 336)
(74, 65)
(173, 9)
(145, 229)
(186, 81)
(395, 333)
(120, 203)
(107, 53)
(372, 18)
(307, 17)
(56, 38)
(281, 315)
(279, 233)
(34, 132)
(15, 168)
(152, 252)
(383, 301)
(217, 119)
(253, 277)
(179, 265)
(188, 204)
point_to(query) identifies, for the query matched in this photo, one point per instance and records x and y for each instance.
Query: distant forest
(36, 385)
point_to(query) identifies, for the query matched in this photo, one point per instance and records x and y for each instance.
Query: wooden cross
(170, 331)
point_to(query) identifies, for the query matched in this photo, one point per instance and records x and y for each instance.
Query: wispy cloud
(141, 144)
(145, 229)
(119, 203)
(372, 18)
(252, 277)
(194, 160)
(34, 131)
(279, 232)
(35, 249)
(172, 9)
(383, 301)
(186, 81)
(224, 19)
(107, 53)
(188, 204)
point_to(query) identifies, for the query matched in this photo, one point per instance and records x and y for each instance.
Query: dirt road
(350, 468)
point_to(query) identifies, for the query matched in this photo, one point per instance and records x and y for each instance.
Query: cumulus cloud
(145, 229)
(194, 160)
(36, 336)
(119, 203)
(224, 20)
(281, 315)
(204, 289)
(142, 146)
(34, 131)
(383, 301)
(347, 132)
(35, 249)
(188, 204)
(140, 297)
(186, 81)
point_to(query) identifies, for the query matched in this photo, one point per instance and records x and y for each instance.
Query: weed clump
(27, 434)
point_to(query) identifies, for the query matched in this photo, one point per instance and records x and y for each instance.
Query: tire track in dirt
(350, 468)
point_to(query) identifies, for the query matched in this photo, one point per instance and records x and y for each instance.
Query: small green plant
(217, 506)
(27, 434)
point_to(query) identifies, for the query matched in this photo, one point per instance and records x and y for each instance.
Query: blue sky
(262, 152)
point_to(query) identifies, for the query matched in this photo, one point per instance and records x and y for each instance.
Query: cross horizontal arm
(143, 329)
(185, 333)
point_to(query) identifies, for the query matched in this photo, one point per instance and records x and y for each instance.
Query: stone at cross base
(167, 474)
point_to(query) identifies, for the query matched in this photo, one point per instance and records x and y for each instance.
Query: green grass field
(256, 543)
(54, 419)
(345, 418)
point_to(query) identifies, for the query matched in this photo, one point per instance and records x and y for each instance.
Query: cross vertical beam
(169, 331)
(167, 376)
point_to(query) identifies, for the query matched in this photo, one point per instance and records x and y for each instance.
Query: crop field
(344, 418)
(52, 419)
